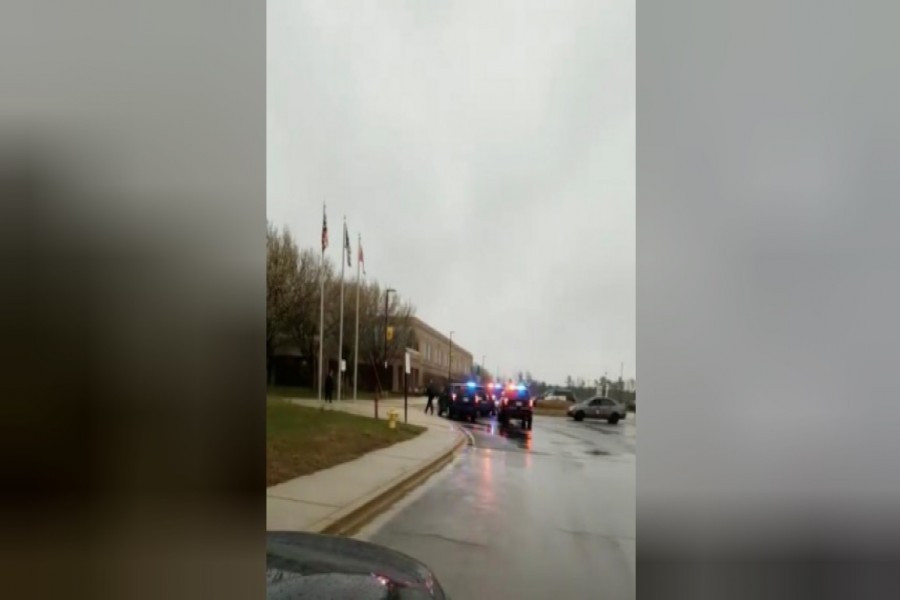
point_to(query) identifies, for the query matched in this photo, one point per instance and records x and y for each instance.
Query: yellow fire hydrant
(392, 418)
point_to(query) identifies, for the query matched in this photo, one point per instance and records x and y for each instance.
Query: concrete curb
(359, 516)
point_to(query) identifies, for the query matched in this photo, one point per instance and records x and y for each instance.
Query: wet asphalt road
(548, 513)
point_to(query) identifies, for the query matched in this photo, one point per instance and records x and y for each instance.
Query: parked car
(558, 394)
(516, 404)
(309, 565)
(598, 408)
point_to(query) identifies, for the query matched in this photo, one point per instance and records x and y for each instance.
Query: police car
(495, 396)
(516, 404)
(465, 400)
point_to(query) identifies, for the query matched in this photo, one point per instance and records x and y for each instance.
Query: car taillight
(531, 404)
(504, 401)
(453, 396)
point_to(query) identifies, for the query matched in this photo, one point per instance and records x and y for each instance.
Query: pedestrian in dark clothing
(329, 386)
(431, 395)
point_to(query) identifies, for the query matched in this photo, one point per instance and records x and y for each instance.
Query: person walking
(329, 387)
(431, 394)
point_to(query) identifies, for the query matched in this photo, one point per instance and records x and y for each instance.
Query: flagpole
(356, 342)
(322, 302)
(344, 258)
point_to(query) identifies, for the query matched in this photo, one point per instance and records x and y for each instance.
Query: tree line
(293, 306)
(615, 389)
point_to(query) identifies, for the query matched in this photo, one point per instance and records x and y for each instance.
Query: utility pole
(387, 294)
(359, 260)
(321, 365)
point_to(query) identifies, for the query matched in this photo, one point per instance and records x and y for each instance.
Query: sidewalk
(416, 407)
(341, 498)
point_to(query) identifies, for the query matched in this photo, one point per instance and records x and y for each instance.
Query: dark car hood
(306, 565)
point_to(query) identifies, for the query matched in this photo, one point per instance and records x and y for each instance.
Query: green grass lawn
(301, 440)
(280, 391)
(552, 408)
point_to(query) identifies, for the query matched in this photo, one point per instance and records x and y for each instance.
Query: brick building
(430, 354)
(431, 357)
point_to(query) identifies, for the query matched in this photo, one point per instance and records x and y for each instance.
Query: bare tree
(399, 314)
(293, 303)
(304, 322)
(282, 260)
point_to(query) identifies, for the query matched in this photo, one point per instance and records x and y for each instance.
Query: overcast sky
(486, 153)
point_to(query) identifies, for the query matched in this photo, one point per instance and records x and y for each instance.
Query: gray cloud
(486, 153)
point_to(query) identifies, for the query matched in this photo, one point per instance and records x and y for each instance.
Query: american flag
(347, 245)
(324, 229)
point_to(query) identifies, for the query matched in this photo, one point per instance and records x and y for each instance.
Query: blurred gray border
(768, 286)
(132, 283)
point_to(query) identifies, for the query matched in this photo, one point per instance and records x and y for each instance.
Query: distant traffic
(514, 402)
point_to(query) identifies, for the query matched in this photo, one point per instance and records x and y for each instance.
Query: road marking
(370, 530)
(468, 435)
(301, 501)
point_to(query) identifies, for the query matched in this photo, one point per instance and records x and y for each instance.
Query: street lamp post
(387, 294)
(450, 360)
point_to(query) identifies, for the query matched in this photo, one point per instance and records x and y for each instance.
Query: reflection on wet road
(527, 514)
